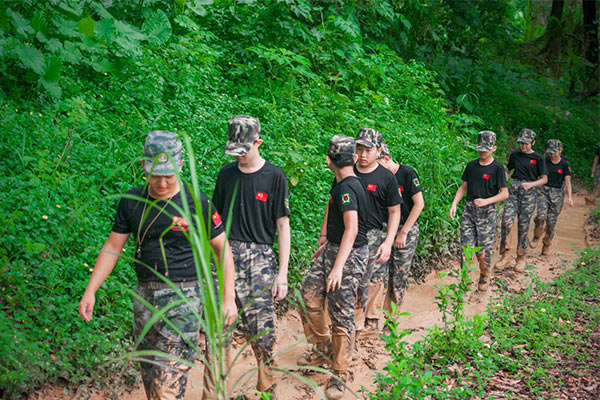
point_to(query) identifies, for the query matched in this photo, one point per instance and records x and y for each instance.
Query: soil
(419, 302)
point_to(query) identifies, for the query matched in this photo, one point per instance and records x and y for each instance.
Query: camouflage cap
(242, 132)
(385, 151)
(526, 136)
(369, 137)
(486, 140)
(340, 146)
(553, 146)
(159, 146)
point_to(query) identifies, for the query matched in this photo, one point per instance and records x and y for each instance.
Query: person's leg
(377, 286)
(526, 208)
(164, 378)
(541, 216)
(508, 218)
(364, 303)
(468, 228)
(400, 264)
(555, 203)
(486, 229)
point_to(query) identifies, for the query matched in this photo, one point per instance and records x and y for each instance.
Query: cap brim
(365, 143)
(522, 140)
(237, 148)
(484, 148)
(159, 169)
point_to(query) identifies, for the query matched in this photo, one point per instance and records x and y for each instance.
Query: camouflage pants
(520, 203)
(340, 302)
(375, 238)
(477, 228)
(164, 378)
(550, 202)
(254, 275)
(400, 263)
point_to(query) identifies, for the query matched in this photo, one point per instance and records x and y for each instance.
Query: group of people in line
(366, 244)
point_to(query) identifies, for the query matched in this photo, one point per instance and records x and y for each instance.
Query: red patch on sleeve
(262, 196)
(330, 199)
(486, 177)
(532, 162)
(401, 188)
(560, 171)
(371, 187)
(216, 218)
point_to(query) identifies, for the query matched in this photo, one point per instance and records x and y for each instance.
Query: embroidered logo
(532, 162)
(286, 202)
(179, 224)
(401, 189)
(486, 177)
(216, 218)
(346, 198)
(262, 196)
(163, 158)
(416, 182)
(371, 187)
(330, 199)
(560, 171)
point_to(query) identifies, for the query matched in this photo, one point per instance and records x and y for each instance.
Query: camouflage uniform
(373, 273)
(399, 268)
(341, 302)
(165, 378)
(520, 203)
(254, 275)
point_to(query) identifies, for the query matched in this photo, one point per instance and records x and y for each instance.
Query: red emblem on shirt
(401, 188)
(371, 187)
(330, 199)
(216, 218)
(486, 177)
(262, 196)
(560, 171)
(179, 224)
(532, 162)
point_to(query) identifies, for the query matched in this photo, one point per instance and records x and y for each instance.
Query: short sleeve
(347, 199)
(393, 197)
(465, 175)
(511, 162)
(501, 182)
(121, 224)
(598, 152)
(567, 171)
(414, 185)
(210, 212)
(217, 198)
(281, 202)
(542, 167)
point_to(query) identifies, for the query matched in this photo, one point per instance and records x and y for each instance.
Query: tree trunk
(553, 35)
(590, 27)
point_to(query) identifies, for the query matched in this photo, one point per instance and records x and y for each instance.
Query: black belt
(163, 285)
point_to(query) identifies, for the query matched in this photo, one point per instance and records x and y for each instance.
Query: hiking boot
(589, 201)
(322, 353)
(537, 235)
(336, 386)
(271, 391)
(371, 327)
(503, 261)
(546, 247)
(520, 265)
(484, 274)
(355, 352)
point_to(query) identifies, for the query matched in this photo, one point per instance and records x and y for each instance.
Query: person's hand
(334, 280)
(481, 202)
(320, 247)
(570, 202)
(526, 185)
(229, 312)
(400, 241)
(452, 212)
(86, 306)
(280, 287)
(383, 253)
(322, 240)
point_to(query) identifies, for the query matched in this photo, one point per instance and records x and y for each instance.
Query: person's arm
(385, 249)
(280, 284)
(334, 280)
(457, 198)
(594, 165)
(569, 190)
(105, 263)
(540, 182)
(323, 235)
(501, 196)
(418, 205)
(225, 258)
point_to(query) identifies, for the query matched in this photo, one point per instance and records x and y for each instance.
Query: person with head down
(149, 213)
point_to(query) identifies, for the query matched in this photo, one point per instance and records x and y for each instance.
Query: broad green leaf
(66, 27)
(86, 26)
(31, 58)
(99, 8)
(52, 87)
(197, 9)
(128, 32)
(105, 29)
(186, 22)
(157, 27)
(53, 69)
(20, 24)
(71, 53)
(54, 46)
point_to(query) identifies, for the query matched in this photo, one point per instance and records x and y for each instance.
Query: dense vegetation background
(83, 82)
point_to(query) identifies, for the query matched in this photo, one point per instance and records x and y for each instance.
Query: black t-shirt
(527, 167)
(484, 182)
(261, 198)
(347, 195)
(557, 172)
(408, 186)
(598, 152)
(170, 226)
(382, 192)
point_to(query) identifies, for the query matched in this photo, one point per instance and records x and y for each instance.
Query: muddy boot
(546, 247)
(589, 200)
(537, 235)
(322, 353)
(484, 274)
(371, 327)
(503, 261)
(520, 265)
(336, 386)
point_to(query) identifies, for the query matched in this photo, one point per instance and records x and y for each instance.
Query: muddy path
(419, 302)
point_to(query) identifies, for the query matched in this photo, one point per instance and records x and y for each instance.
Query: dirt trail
(419, 302)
